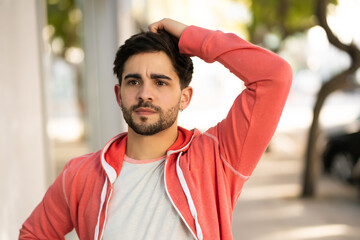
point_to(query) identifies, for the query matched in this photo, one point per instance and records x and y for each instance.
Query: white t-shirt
(140, 207)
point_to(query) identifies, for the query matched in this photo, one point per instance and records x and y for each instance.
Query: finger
(154, 27)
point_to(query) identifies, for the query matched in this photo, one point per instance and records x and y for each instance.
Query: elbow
(283, 76)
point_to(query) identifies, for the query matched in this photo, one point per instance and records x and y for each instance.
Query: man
(158, 180)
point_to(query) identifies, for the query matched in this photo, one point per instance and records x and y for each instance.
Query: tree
(64, 18)
(284, 18)
(340, 81)
(281, 18)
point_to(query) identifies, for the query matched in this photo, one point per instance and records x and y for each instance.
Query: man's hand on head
(173, 27)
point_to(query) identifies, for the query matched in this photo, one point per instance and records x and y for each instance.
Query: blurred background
(57, 102)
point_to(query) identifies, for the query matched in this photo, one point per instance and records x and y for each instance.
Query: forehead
(152, 61)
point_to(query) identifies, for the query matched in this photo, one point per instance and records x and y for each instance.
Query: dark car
(342, 156)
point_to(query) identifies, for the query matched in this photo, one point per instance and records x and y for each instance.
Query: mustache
(144, 104)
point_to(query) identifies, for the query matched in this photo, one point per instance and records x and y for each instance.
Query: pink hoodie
(204, 172)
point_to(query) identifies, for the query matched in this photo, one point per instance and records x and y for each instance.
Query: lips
(145, 111)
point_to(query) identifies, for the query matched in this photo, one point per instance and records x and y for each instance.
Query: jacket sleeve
(251, 122)
(51, 218)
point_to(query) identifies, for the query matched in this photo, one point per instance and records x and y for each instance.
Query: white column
(125, 21)
(23, 161)
(100, 45)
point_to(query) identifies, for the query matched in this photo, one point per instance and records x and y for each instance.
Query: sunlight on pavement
(271, 192)
(314, 232)
(276, 212)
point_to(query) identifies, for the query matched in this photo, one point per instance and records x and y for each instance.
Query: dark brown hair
(154, 42)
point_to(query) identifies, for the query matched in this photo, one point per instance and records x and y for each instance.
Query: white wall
(23, 162)
(104, 117)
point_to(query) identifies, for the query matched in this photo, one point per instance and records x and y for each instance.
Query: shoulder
(84, 165)
(204, 142)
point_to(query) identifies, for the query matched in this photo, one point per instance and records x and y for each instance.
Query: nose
(146, 92)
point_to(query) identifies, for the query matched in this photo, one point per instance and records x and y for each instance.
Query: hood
(113, 153)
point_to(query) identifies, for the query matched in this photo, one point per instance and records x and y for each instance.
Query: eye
(132, 82)
(161, 83)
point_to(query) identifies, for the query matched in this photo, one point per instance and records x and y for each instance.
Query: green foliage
(65, 18)
(281, 17)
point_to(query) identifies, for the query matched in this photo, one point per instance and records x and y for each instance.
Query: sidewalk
(270, 208)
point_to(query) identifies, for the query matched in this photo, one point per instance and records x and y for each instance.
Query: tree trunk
(312, 164)
(342, 80)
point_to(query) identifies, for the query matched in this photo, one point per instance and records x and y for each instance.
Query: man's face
(150, 95)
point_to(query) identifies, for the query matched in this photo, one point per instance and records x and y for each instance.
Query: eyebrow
(159, 76)
(153, 76)
(132, 75)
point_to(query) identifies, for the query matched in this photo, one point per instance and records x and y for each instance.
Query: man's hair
(147, 42)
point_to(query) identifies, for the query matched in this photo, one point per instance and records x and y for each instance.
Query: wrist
(175, 28)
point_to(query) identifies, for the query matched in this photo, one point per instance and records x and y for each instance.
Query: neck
(142, 147)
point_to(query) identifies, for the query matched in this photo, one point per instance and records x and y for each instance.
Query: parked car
(341, 157)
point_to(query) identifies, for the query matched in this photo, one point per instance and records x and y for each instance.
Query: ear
(186, 95)
(117, 89)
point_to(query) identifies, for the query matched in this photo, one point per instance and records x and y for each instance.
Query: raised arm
(244, 134)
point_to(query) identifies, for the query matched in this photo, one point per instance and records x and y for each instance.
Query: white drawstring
(103, 195)
(189, 198)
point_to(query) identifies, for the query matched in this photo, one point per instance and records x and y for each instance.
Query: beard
(166, 119)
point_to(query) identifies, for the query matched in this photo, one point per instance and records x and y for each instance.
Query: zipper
(106, 212)
(102, 202)
(190, 201)
(173, 204)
